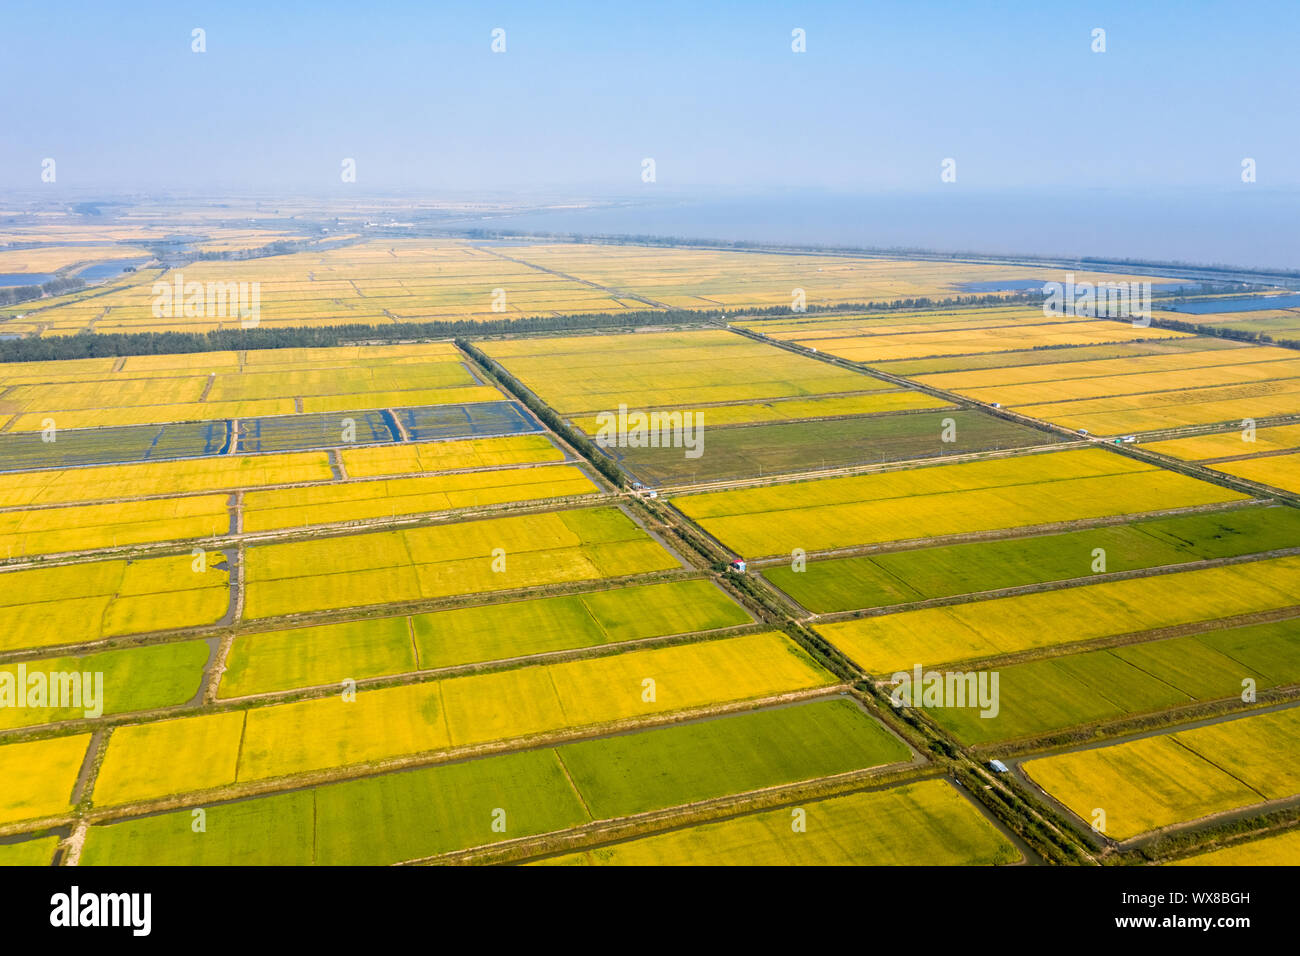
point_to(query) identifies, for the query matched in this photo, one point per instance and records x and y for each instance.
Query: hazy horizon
(583, 93)
(1057, 149)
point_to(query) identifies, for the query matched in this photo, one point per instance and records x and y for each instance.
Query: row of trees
(580, 442)
(59, 285)
(96, 345)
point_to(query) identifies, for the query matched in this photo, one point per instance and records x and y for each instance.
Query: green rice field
(878, 580)
(418, 813)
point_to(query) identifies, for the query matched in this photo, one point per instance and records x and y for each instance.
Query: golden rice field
(682, 369)
(1281, 849)
(712, 279)
(79, 603)
(60, 226)
(1278, 471)
(39, 777)
(1268, 455)
(83, 509)
(229, 473)
(1237, 443)
(75, 528)
(1178, 369)
(251, 239)
(883, 345)
(1142, 392)
(46, 259)
(148, 761)
(895, 642)
(358, 500)
(811, 327)
(1105, 376)
(1155, 782)
(941, 500)
(374, 282)
(146, 479)
(925, 823)
(381, 281)
(469, 557)
(1136, 382)
(88, 393)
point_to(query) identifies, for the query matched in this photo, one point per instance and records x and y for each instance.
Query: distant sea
(1247, 226)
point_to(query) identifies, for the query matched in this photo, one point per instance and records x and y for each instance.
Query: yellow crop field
(442, 560)
(88, 527)
(254, 383)
(368, 355)
(1139, 367)
(358, 500)
(300, 737)
(1281, 849)
(151, 414)
(1146, 784)
(169, 756)
(56, 257)
(895, 642)
(1229, 444)
(186, 476)
(1141, 786)
(1189, 380)
(381, 460)
(1140, 383)
(373, 282)
(683, 369)
(809, 327)
(577, 693)
(883, 346)
(919, 824)
(1278, 471)
(940, 500)
(713, 279)
(39, 777)
(221, 385)
(109, 393)
(69, 604)
(1190, 406)
(866, 403)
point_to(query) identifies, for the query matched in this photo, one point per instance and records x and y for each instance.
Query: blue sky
(712, 92)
